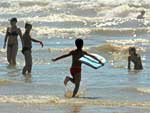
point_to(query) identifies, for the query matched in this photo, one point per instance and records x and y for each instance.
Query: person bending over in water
(141, 16)
(12, 45)
(135, 58)
(27, 40)
(75, 69)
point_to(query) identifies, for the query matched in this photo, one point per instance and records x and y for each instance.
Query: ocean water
(108, 28)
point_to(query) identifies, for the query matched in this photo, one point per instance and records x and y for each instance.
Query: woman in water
(12, 33)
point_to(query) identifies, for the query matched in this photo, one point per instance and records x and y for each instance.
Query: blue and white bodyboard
(92, 62)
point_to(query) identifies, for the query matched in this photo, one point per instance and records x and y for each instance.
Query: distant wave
(128, 41)
(120, 45)
(123, 45)
(64, 49)
(75, 32)
(116, 51)
(143, 90)
(112, 3)
(81, 21)
(93, 13)
(32, 3)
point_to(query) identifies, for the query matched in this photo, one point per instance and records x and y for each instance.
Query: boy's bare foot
(66, 80)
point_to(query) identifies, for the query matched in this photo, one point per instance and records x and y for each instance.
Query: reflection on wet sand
(28, 78)
(76, 109)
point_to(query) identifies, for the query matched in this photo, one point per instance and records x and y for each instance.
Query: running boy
(75, 69)
(135, 58)
(27, 45)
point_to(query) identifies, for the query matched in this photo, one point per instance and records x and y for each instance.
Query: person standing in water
(12, 33)
(141, 16)
(135, 58)
(27, 40)
(75, 69)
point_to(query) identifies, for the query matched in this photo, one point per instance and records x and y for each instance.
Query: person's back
(75, 69)
(76, 55)
(137, 61)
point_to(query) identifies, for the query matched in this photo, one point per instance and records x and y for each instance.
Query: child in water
(27, 45)
(75, 69)
(141, 16)
(135, 58)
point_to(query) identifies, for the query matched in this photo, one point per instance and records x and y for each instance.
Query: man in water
(75, 69)
(141, 16)
(135, 58)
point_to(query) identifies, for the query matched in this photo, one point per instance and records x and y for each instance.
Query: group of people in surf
(11, 41)
(12, 33)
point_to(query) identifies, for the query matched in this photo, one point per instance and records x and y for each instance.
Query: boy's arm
(21, 37)
(37, 41)
(129, 62)
(94, 57)
(63, 56)
(5, 40)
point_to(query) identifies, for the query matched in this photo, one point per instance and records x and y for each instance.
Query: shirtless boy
(75, 69)
(135, 58)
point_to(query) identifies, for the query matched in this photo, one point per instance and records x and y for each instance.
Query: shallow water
(107, 27)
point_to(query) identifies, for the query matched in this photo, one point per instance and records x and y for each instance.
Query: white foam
(144, 90)
(76, 32)
(70, 87)
(30, 99)
(104, 11)
(128, 41)
(46, 99)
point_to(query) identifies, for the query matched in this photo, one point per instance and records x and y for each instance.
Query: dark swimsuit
(26, 49)
(27, 44)
(14, 33)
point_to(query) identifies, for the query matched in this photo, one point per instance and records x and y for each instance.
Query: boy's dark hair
(79, 43)
(13, 19)
(28, 24)
(132, 49)
(142, 12)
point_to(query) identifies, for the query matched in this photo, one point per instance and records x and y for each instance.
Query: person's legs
(77, 79)
(14, 53)
(73, 71)
(24, 70)
(77, 85)
(25, 67)
(9, 53)
(76, 74)
(67, 79)
(28, 62)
